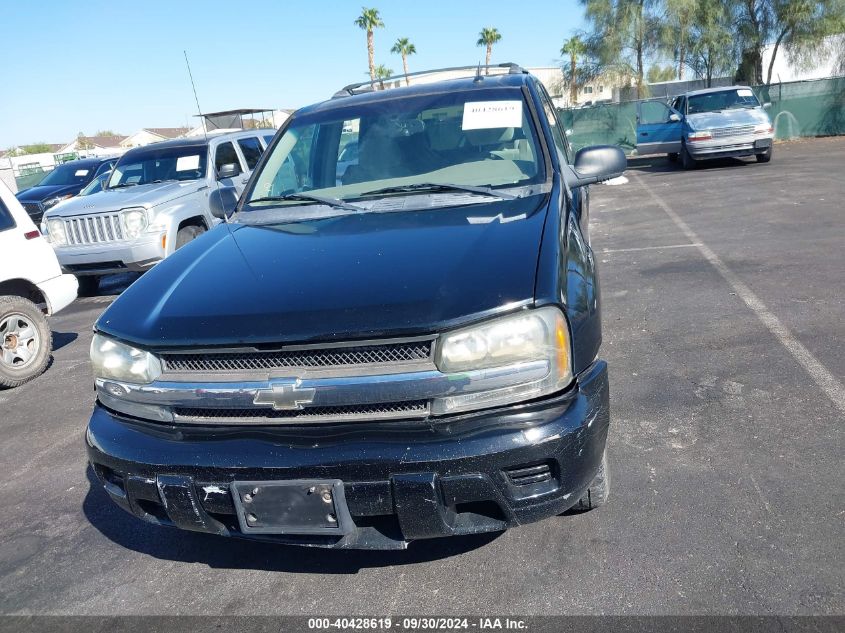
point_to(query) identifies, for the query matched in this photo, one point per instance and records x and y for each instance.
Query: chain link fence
(799, 109)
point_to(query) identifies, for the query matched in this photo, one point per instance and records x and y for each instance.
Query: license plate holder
(299, 506)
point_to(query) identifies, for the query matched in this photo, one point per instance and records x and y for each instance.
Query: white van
(31, 286)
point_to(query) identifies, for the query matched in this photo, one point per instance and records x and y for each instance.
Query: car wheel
(186, 234)
(673, 157)
(687, 161)
(88, 285)
(25, 341)
(766, 156)
(599, 490)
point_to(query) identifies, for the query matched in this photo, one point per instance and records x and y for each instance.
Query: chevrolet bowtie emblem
(285, 396)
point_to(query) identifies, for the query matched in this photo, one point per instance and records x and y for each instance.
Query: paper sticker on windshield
(187, 163)
(80, 173)
(744, 92)
(482, 115)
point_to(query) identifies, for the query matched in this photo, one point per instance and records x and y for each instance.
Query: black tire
(89, 285)
(22, 358)
(687, 161)
(673, 157)
(186, 234)
(599, 490)
(766, 156)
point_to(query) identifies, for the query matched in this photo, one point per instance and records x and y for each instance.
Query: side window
(251, 149)
(104, 168)
(347, 149)
(6, 220)
(224, 155)
(654, 112)
(557, 133)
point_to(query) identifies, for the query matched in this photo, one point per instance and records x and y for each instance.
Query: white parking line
(818, 372)
(647, 248)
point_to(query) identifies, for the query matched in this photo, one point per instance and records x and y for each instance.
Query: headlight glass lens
(118, 361)
(52, 202)
(529, 336)
(56, 231)
(134, 222)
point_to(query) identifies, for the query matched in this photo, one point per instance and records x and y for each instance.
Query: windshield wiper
(123, 185)
(329, 202)
(437, 186)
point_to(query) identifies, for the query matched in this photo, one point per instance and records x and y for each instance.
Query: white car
(31, 286)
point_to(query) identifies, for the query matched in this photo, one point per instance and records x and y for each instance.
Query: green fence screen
(799, 108)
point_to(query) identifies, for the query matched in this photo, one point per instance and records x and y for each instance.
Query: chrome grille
(33, 209)
(737, 130)
(362, 412)
(93, 229)
(319, 358)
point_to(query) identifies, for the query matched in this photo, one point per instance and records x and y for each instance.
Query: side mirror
(229, 170)
(767, 105)
(598, 163)
(222, 202)
(674, 117)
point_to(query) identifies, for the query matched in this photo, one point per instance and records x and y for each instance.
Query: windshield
(94, 186)
(68, 174)
(158, 165)
(735, 98)
(416, 144)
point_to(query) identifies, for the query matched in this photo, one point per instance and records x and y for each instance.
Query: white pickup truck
(31, 286)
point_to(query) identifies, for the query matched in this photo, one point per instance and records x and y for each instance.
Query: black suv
(65, 181)
(403, 349)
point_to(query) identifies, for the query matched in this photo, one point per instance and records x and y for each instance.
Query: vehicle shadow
(231, 553)
(116, 284)
(60, 339)
(659, 163)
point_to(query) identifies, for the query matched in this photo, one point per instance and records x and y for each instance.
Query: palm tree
(404, 48)
(369, 20)
(575, 48)
(487, 37)
(382, 72)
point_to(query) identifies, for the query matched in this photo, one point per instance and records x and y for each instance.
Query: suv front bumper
(484, 472)
(112, 257)
(730, 147)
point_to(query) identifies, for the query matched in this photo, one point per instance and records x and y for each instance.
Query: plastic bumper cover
(59, 291)
(101, 259)
(479, 473)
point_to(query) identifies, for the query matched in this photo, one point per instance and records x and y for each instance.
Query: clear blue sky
(83, 66)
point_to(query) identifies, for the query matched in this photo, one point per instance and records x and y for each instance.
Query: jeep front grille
(33, 210)
(93, 229)
(383, 355)
(358, 413)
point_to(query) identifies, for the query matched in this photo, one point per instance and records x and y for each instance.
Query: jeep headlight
(52, 202)
(56, 232)
(114, 360)
(528, 342)
(134, 222)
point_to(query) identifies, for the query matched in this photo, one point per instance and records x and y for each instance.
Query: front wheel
(687, 161)
(187, 234)
(766, 156)
(25, 341)
(89, 285)
(599, 490)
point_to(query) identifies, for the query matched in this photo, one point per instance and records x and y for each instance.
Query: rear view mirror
(598, 163)
(674, 117)
(222, 202)
(229, 170)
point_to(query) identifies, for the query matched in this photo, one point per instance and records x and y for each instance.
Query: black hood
(350, 277)
(40, 193)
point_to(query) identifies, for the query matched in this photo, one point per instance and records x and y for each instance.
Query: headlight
(52, 202)
(701, 135)
(56, 231)
(533, 336)
(763, 128)
(118, 361)
(134, 222)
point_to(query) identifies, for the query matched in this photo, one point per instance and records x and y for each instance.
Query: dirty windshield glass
(68, 174)
(158, 165)
(722, 100)
(481, 139)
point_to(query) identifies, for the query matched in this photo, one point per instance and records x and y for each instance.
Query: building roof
(168, 132)
(103, 141)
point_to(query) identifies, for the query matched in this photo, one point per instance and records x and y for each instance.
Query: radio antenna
(202, 120)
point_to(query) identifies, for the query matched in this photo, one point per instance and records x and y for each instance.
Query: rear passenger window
(6, 220)
(251, 149)
(225, 155)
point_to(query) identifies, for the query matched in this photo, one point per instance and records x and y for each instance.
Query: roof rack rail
(346, 91)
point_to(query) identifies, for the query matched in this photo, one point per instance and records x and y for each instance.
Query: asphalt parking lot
(724, 329)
